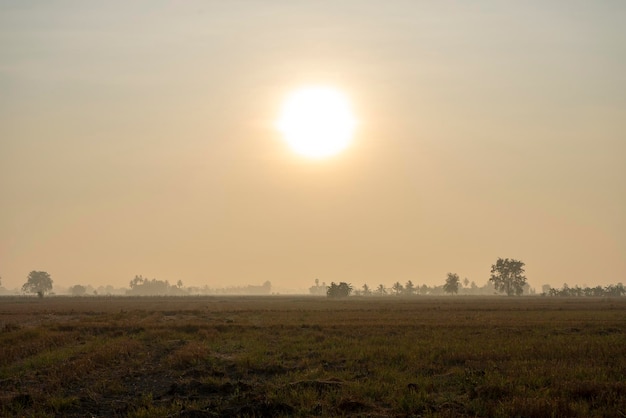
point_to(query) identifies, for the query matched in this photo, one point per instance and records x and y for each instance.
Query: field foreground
(304, 356)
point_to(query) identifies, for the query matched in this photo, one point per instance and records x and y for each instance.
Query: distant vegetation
(141, 286)
(38, 282)
(452, 283)
(577, 291)
(341, 290)
(453, 287)
(507, 276)
(409, 289)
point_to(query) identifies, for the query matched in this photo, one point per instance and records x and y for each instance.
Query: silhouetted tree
(341, 290)
(380, 290)
(397, 288)
(366, 290)
(598, 291)
(409, 288)
(78, 290)
(507, 276)
(615, 290)
(38, 282)
(137, 281)
(452, 283)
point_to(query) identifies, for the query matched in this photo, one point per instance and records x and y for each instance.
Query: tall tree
(452, 283)
(409, 288)
(366, 290)
(38, 282)
(397, 287)
(615, 290)
(507, 276)
(380, 290)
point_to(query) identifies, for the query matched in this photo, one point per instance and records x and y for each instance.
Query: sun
(317, 121)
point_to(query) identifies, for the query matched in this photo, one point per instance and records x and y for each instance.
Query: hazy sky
(139, 138)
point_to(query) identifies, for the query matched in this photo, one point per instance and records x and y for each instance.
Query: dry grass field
(304, 356)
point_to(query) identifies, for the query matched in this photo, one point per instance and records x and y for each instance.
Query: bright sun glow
(317, 122)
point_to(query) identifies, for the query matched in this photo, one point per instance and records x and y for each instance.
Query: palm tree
(398, 288)
(366, 290)
(409, 288)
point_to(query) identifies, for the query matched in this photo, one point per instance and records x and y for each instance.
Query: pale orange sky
(139, 138)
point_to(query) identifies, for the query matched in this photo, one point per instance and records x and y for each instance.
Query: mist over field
(172, 141)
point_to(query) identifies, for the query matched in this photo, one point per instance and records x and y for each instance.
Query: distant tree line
(145, 287)
(40, 283)
(408, 289)
(507, 276)
(142, 286)
(263, 289)
(613, 290)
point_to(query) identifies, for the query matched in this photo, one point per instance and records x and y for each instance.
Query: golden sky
(140, 138)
